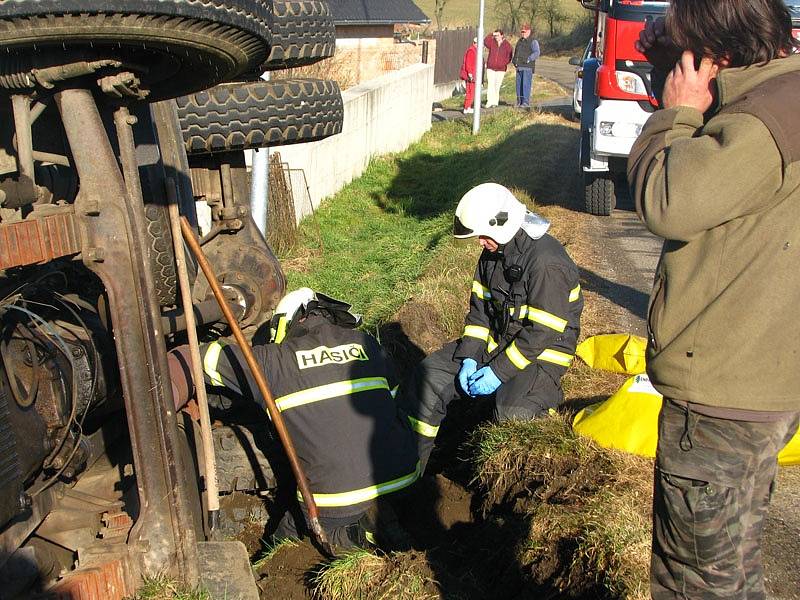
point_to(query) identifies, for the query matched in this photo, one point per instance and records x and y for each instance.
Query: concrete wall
(383, 115)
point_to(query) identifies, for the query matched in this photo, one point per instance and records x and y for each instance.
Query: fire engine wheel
(302, 34)
(242, 116)
(598, 193)
(174, 46)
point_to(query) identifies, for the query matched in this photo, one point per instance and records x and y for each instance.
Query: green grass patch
(362, 575)
(161, 587)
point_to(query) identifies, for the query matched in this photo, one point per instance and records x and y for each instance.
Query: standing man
(467, 73)
(717, 174)
(335, 389)
(500, 53)
(525, 54)
(523, 323)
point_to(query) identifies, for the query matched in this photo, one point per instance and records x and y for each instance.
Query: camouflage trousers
(713, 483)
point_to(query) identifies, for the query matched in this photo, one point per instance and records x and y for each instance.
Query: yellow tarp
(628, 421)
(614, 352)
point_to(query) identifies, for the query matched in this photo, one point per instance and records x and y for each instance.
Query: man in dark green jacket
(717, 174)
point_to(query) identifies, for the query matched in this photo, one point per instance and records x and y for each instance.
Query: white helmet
(304, 300)
(293, 301)
(286, 310)
(489, 209)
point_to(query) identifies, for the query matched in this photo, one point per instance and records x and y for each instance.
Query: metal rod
(209, 459)
(49, 157)
(24, 137)
(476, 121)
(263, 388)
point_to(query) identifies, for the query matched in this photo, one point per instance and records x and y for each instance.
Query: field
(465, 12)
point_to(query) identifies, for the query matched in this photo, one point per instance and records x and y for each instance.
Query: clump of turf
(161, 587)
(362, 575)
(589, 508)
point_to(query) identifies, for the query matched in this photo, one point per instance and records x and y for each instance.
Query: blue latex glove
(468, 368)
(483, 382)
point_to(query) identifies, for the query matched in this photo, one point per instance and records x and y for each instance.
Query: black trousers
(434, 384)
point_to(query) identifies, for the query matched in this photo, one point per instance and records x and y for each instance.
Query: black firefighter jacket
(335, 390)
(513, 326)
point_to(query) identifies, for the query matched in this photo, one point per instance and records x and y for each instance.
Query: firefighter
(522, 327)
(335, 389)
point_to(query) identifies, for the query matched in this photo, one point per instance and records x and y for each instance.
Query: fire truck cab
(617, 97)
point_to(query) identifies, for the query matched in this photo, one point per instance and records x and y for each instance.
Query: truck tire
(598, 193)
(187, 45)
(303, 33)
(242, 116)
(162, 256)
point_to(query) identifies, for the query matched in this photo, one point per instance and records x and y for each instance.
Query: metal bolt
(131, 120)
(786, 246)
(95, 254)
(25, 501)
(77, 351)
(127, 470)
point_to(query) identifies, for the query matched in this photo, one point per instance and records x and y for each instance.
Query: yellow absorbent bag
(628, 421)
(614, 352)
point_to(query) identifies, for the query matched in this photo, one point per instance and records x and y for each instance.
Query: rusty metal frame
(109, 214)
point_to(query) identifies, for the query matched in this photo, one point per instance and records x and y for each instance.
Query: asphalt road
(628, 255)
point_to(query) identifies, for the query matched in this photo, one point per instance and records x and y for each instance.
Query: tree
(554, 14)
(511, 12)
(438, 11)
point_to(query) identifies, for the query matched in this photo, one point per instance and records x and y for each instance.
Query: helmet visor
(460, 230)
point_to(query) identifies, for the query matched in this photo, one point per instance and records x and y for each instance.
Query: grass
(161, 587)
(465, 12)
(271, 550)
(374, 240)
(543, 89)
(362, 575)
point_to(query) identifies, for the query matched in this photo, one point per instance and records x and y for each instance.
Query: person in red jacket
(468, 74)
(500, 54)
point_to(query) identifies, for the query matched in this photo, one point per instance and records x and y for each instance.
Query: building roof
(376, 12)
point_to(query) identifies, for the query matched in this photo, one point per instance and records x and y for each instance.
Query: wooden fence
(451, 44)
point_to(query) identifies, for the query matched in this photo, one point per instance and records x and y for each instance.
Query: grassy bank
(384, 244)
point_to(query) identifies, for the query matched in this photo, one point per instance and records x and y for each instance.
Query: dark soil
(284, 576)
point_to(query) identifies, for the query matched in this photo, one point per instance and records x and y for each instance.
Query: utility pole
(476, 122)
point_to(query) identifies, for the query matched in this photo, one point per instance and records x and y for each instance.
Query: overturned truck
(110, 112)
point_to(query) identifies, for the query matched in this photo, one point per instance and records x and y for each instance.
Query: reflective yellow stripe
(547, 319)
(283, 322)
(523, 311)
(370, 537)
(516, 357)
(210, 362)
(554, 356)
(476, 331)
(423, 428)
(480, 291)
(575, 294)
(364, 494)
(394, 390)
(331, 390)
(491, 345)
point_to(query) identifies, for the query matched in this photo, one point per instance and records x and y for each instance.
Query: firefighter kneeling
(335, 389)
(523, 323)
